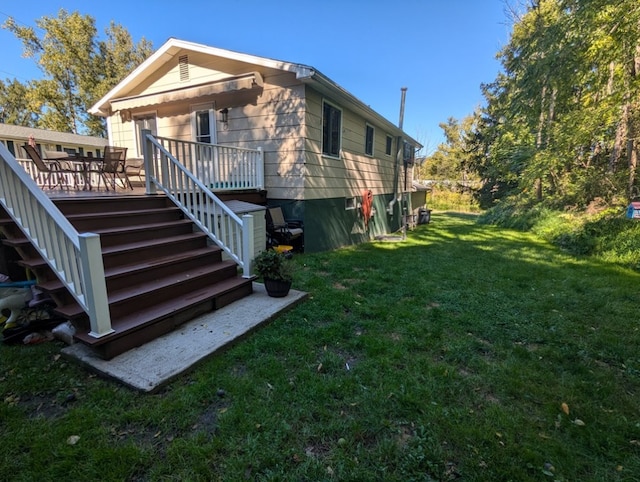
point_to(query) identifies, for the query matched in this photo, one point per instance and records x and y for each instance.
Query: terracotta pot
(277, 288)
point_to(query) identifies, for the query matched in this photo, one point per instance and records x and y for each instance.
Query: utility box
(424, 216)
(633, 211)
(241, 208)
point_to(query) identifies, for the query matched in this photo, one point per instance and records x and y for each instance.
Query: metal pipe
(403, 95)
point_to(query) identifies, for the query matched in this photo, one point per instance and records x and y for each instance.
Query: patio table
(83, 165)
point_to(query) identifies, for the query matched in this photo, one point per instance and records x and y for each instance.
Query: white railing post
(260, 169)
(147, 154)
(95, 285)
(248, 245)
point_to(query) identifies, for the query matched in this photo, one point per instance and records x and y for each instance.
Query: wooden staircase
(160, 270)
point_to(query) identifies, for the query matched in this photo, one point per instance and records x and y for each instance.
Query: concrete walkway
(155, 364)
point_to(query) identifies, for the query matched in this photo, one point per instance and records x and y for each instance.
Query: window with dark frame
(368, 140)
(389, 146)
(203, 127)
(331, 126)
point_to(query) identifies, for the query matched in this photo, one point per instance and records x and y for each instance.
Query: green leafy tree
(15, 107)
(451, 159)
(78, 68)
(566, 110)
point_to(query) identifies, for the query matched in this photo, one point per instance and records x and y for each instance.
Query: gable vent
(183, 62)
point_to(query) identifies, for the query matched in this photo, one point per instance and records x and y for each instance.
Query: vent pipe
(404, 95)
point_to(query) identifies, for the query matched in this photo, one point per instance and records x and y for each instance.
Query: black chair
(112, 167)
(282, 231)
(52, 169)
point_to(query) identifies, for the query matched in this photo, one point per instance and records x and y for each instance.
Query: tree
(15, 104)
(566, 109)
(78, 68)
(451, 159)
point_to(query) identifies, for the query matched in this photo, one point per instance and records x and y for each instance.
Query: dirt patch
(45, 406)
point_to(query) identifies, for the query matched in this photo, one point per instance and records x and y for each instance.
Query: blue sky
(441, 50)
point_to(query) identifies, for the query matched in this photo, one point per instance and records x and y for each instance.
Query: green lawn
(467, 352)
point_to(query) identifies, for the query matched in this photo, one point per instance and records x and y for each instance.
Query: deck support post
(149, 168)
(95, 285)
(248, 245)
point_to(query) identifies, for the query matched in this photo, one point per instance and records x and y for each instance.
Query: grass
(447, 356)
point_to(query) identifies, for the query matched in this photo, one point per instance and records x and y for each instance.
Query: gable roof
(304, 73)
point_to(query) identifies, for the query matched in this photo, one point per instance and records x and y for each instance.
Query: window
(368, 140)
(203, 127)
(388, 148)
(350, 203)
(144, 122)
(11, 148)
(331, 130)
(203, 123)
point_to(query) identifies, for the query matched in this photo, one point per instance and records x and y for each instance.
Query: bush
(273, 265)
(607, 235)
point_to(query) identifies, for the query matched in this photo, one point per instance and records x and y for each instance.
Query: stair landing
(153, 365)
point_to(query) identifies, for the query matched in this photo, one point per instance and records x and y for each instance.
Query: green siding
(328, 225)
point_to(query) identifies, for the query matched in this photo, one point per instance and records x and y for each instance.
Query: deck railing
(220, 168)
(172, 172)
(75, 258)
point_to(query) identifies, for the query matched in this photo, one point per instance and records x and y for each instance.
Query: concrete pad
(156, 363)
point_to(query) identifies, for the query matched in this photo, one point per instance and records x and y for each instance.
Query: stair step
(149, 268)
(135, 252)
(86, 221)
(88, 205)
(160, 269)
(117, 235)
(138, 328)
(149, 292)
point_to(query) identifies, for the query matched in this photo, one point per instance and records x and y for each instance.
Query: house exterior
(324, 150)
(14, 137)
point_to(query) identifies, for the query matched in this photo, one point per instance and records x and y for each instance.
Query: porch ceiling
(246, 81)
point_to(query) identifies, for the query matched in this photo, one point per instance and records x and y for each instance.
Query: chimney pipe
(404, 94)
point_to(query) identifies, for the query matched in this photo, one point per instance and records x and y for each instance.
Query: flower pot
(277, 288)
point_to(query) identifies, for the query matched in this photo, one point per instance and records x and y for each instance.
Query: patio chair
(51, 169)
(112, 167)
(134, 168)
(281, 231)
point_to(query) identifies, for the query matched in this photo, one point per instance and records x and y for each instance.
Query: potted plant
(276, 271)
